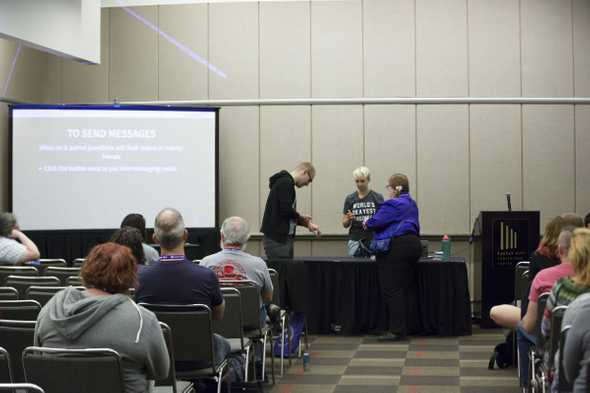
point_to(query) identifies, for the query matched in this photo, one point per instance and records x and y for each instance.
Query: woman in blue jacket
(396, 220)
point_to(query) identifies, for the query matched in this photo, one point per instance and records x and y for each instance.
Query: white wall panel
(582, 47)
(87, 83)
(494, 48)
(496, 157)
(389, 44)
(233, 48)
(390, 144)
(582, 143)
(337, 148)
(546, 48)
(285, 140)
(443, 169)
(548, 157)
(239, 163)
(285, 49)
(441, 48)
(134, 47)
(336, 49)
(182, 57)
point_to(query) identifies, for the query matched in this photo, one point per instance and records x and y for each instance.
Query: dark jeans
(397, 281)
(274, 249)
(524, 341)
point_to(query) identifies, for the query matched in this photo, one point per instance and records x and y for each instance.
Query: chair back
(562, 384)
(6, 271)
(44, 263)
(43, 294)
(541, 302)
(20, 387)
(16, 336)
(88, 370)
(521, 281)
(192, 331)
(276, 288)
(5, 374)
(170, 380)
(231, 326)
(21, 283)
(61, 272)
(78, 262)
(250, 302)
(8, 293)
(196, 261)
(19, 310)
(75, 281)
(554, 336)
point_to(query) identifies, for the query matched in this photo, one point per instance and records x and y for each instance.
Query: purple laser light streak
(182, 47)
(11, 71)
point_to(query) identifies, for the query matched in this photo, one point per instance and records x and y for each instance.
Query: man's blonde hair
(360, 172)
(306, 167)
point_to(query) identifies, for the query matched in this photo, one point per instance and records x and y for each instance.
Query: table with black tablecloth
(345, 291)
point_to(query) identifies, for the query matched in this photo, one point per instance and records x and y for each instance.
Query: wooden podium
(501, 240)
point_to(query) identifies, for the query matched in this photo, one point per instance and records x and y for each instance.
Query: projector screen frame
(87, 107)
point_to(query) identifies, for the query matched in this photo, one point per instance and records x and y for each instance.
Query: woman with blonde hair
(358, 207)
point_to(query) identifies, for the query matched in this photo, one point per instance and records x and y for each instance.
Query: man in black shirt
(280, 214)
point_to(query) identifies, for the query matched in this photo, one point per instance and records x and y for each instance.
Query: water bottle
(305, 361)
(446, 247)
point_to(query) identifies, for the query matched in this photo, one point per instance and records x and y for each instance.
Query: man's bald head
(169, 228)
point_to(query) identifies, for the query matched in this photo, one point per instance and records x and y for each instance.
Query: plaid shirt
(563, 293)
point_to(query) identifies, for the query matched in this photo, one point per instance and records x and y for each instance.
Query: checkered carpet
(361, 364)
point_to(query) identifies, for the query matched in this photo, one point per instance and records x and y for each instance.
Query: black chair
(171, 379)
(61, 272)
(78, 262)
(74, 281)
(20, 387)
(191, 327)
(253, 327)
(6, 271)
(44, 263)
(521, 281)
(276, 294)
(536, 372)
(88, 370)
(16, 336)
(5, 373)
(8, 293)
(196, 261)
(554, 336)
(43, 294)
(21, 283)
(19, 310)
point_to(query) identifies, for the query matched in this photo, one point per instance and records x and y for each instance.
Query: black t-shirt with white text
(361, 209)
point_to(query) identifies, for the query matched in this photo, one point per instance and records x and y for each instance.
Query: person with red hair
(87, 319)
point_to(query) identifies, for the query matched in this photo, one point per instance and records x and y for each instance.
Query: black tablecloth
(345, 292)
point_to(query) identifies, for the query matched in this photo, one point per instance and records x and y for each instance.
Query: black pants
(397, 282)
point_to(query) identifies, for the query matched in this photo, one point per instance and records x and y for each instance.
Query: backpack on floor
(296, 326)
(503, 355)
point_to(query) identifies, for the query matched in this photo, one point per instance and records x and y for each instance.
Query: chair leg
(247, 361)
(272, 358)
(219, 379)
(282, 344)
(264, 355)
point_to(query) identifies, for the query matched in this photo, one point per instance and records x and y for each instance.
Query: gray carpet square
(433, 347)
(365, 389)
(472, 355)
(330, 361)
(432, 362)
(380, 354)
(490, 389)
(428, 380)
(334, 347)
(309, 379)
(368, 370)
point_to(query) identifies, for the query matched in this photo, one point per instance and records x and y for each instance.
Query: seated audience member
(566, 289)
(176, 280)
(137, 221)
(587, 220)
(131, 237)
(542, 283)
(15, 247)
(576, 352)
(103, 316)
(233, 263)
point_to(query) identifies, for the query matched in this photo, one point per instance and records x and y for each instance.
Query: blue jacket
(395, 217)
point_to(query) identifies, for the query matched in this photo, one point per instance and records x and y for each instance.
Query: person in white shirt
(15, 247)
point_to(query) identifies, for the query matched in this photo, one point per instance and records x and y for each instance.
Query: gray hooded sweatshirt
(72, 319)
